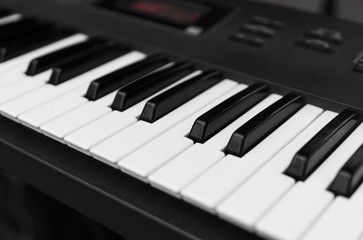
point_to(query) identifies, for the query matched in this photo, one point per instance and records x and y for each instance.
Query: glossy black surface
(17, 28)
(61, 56)
(119, 78)
(350, 176)
(146, 86)
(31, 40)
(16, 31)
(226, 112)
(315, 152)
(84, 62)
(260, 126)
(171, 99)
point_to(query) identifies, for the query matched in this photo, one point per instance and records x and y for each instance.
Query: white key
(97, 131)
(220, 180)
(326, 172)
(69, 122)
(142, 132)
(22, 86)
(183, 169)
(180, 171)
(341, 220)
(88, 136)
(158, 152)
(195, 104)
(319, 181)
(123, 143)
(288, 219)
(147, 159)
(136, 110)
(343, 217)
(106, 100)
(184, 127)
(332, 224)
(16, 74)
(356, 218)
(220, 140)
(10, 19)
(94, 133)
(251, 200)
(12, 75)
(282, 160)
(14, 108)
(46, 112)
(50, 110)
(245, 206)
(23, 60)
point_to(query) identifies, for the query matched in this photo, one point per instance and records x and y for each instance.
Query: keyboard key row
(303, 204)
(271, 164)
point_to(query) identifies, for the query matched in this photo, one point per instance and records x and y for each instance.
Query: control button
(326, 35)
(259, 30)
(248, 39)
(316, 44)
(276, 24)
(267, 22)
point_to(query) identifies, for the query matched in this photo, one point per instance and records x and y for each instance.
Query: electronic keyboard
(181, 119)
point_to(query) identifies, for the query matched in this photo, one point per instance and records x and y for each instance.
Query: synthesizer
(186, 119)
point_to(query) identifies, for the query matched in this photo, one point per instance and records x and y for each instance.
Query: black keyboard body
(130, 207)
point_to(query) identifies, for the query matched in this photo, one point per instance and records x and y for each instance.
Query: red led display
(166, 10)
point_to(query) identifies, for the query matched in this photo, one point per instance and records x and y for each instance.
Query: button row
(325, 34)
(257, 30)
(321, 40)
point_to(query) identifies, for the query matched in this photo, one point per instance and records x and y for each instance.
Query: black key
(263, 124)
(167, 101)
(38, 38)
(144, 87)
(27, 33)
(14, 29)
(350, 176)
(62, 56)
(226, 112)
(314, 152)
(117, 79)
(93, 58)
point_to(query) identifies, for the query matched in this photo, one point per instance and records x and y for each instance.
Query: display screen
(192, 16)
(162, 9)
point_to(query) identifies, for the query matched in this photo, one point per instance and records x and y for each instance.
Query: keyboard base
(110, 197)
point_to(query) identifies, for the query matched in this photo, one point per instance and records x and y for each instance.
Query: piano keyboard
(275, 165)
